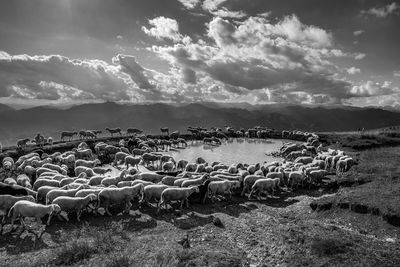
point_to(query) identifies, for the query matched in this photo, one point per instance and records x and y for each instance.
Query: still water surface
(231, 152)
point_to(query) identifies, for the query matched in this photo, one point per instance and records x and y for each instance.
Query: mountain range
(50, 121)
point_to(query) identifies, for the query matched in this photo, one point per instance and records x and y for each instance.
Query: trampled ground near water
(280, 231)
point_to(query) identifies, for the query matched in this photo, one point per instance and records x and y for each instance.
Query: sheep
(43, 182)
(7, 201)
(109, 196)
(113, 180)
(150, 158)
(87, 163)
(42, 170)
(10, 181)
(316, 176)
(27, 162)
(220, 167)
(200, 168)
(220, 187)
(25, 208)
(39, 163)
(80, 169)
(181, 165)
(83, 153)
(101, 171)
(296, 178)
(24, 181)
(151, 192)
(193, 182)
(144, 183)
(63, 169)
(169, 180)
(113, 131)
(8, 163)
(264, 184)
(150, 177)
(200, 160)
(249, 181)
(23, 158)
(168, 166)
(70, 135)
(132, 161)
(42, 192)
(76, 204)
(191, 167)
(99, 147)
(50, 141)
(86, 192)
(181, 194)
(111, 150)
(51, 195)
(96, 180)
(13, 190)
(22, 142)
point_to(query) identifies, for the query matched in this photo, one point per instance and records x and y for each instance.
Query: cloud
(370, 88)
(382, 12)
(353, 70)
(190, 4)
(358, 33)
(215, 8)
(396, 73)
(287, 59)
(163, 28)
(359, 56)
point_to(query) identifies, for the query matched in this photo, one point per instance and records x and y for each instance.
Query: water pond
(231, 152)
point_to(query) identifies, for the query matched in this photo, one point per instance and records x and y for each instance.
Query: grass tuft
(73, 252)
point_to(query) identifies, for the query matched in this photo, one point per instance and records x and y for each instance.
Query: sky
(311, 52)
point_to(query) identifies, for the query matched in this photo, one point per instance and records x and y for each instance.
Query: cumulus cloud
(382, 12)
(353, 70)
(163, 28)
(287, 59)
(190, 4)
(215, 7)
(370, 88)
(359, 56)
(357, 33)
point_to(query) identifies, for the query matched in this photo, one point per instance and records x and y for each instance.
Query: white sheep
(107, 181)
(87, 163)
(61, 169)
(74, 204)
(248, 182)
(53, 194)
(296, 178)
(24, 208)
(153, 192)
(220, 188)
(45, 182)
(197, 181)
(109, 196)
(264, 184)
(132, 161)
(177, 194)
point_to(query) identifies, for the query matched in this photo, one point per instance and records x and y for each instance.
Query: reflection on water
(231, 151)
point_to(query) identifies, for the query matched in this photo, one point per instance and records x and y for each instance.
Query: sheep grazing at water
(109, 196)
(74, 204)
(25, 208)
(177, 194)
(113, 131)
(68, 134)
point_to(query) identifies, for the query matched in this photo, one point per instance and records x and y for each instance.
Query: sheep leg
(78, 215)
(49, 219)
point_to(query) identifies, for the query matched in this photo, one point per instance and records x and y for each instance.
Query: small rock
(217, 222)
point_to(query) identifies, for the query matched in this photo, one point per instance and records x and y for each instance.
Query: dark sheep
(197, 197)
(6, 189)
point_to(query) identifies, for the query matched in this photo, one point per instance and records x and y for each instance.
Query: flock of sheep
(38, 184)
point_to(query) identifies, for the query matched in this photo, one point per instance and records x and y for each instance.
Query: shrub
(73, 252)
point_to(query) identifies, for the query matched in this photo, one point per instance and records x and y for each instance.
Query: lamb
(25, 208)
(181, 194)
(262, 185)
(13, 190)
(109, 196)
(101, 171)
(113, 131)
(193, 182)
(151, 192)
(70, 135)
(24, 181)
(53, 194)
(132, 161)
(87, 163)
(220, 187)
(80, 169)
(76, 204)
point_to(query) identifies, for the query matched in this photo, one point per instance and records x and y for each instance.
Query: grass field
(350, 227)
